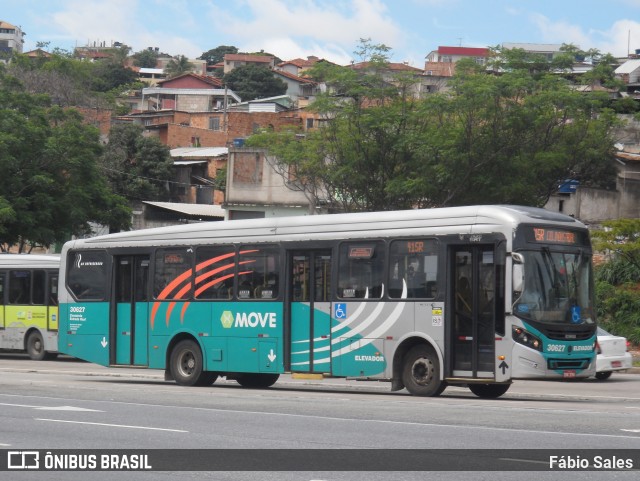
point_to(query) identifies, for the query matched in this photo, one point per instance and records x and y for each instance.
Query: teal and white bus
(29, 304)
(468, 296)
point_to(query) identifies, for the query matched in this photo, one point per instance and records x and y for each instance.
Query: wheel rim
(422, 371)
(187, 364)
(36, 345)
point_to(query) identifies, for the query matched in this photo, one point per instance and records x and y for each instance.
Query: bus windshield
(557, 287)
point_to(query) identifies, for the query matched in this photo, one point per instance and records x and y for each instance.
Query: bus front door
(129, 331)
(472, 333)
(310, 311)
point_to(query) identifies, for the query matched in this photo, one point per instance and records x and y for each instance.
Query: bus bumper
(530, 364)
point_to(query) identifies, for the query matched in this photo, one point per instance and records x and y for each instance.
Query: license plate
(616, 363)
(569, 373)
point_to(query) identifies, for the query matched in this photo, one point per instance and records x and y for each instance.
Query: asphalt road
(67, 404)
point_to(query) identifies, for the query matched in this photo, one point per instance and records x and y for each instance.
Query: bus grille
(555, 364)
(569, 335)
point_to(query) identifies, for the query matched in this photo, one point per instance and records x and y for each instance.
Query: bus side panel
(253, 336)
(86, 331)
(357, 338)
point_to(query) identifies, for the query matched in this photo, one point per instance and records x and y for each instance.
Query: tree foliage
(254, 82)
(178, 66)
(216, 55)
(506, 138)
(138, 168)
(52, 187)
(618, 279)
(147, 58)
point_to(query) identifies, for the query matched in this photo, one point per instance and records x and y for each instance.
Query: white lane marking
(112, 425)
(631, 430)
(52, 408)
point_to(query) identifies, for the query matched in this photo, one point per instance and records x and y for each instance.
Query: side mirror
(518, 272)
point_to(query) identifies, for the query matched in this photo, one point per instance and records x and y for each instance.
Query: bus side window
(39, 288)
(259, 272)
(53, 291)
(360, 269)
(215, 270)
(414, 267)
(19, 287)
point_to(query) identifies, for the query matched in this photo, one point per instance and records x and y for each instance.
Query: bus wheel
(421, 372)
(602, 375)
(185, 364)
(259, 381)
(489, 391)
(35, 346)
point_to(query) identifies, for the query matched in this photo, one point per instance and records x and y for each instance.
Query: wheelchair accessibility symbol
(340, 311)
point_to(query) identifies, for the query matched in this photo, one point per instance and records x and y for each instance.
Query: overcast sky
(325, 28)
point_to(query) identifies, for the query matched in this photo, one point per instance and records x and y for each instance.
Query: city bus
(29, 304)
(423, 299)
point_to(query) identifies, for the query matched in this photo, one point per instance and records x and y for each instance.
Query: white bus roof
(450, 220)
(29, 261)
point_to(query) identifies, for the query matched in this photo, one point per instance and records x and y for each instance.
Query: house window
(195, 141)
(309, 123)
(480, 60)
(214, 123)
(447, 59)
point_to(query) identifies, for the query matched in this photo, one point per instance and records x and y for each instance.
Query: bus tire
(186, 364)
(35, 346)
(602, 375)
(421, 372)
(258, 381)
(489, 391)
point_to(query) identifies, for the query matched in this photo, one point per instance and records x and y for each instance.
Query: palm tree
(178, 66)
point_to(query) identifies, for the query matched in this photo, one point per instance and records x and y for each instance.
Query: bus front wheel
(421, 372)
(259, 381)
(489, 391)
(186, 365)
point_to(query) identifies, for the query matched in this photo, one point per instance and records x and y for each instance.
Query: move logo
(248, 319)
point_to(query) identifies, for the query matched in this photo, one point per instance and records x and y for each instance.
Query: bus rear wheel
(186, 365)
(421, 372)
(489, 391)
(35, 346)
(259, 381)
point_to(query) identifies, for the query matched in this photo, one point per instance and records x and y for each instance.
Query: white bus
(469, 296)
(29, 304)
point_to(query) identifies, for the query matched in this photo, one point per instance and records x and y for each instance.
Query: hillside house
(189, 93)
(11, 40)
(234, 60)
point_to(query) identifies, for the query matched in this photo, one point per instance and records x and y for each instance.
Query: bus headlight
(526, 339)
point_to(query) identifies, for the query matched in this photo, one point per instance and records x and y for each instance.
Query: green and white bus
(469, 296)
(29, 304)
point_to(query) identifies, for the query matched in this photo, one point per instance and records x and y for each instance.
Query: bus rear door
(129, 320)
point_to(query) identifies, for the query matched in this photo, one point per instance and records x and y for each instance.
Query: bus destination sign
(554, 236)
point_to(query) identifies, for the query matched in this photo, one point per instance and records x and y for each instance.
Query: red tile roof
(213, 81)
(440, 69)
(468, 51)
(297, 78)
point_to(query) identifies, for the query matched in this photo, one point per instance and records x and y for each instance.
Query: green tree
(216, 55)
(178, 66)
(147, 58)
(53, 188)
(138, 168)
(618, 279)
(254, 82)
(507, 138)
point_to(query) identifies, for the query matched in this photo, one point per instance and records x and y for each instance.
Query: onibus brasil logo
(248, 319)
